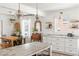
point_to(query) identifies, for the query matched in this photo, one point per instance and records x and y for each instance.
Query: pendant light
(61, 14)
(18, 11)
(37, 18)
(37, 22)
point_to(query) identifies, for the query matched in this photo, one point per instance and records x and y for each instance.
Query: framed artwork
(75, 26)
(49, 25)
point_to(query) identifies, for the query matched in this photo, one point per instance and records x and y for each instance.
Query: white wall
(68, 14)
(7, 25)
(72, 13)
(43, 21)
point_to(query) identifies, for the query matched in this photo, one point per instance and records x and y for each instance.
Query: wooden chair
(36, 37)
(18, 41)
(5, 45)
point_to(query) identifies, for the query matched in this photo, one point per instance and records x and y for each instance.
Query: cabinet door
(44, 39)
(47, 39)
(60, 48)
(58, 41)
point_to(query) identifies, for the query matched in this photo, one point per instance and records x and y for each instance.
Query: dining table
(10, 38)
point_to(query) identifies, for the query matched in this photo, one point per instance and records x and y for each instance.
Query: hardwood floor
(45, 53)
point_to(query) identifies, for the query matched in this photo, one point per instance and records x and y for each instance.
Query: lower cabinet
(58, 49)
(63, 45)
(58, 45)
(71, 51)
(71, 46)
(47, 39)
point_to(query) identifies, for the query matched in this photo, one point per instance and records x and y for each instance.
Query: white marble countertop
(60, 36)
(23, 50)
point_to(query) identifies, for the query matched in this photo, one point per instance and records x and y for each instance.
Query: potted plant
(35, 30)
(17, 32)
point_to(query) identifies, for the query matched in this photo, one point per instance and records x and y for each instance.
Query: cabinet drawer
(60, 48)
(71, 45)
(59, 39)
(71, 51)
(58, 43)
(70, 41)
(46, 40)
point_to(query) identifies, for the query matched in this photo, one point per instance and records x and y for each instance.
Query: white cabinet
(47, 39)
(71, 46)
(58, 44)
(58, 48)
(71, 51)
(66, 45)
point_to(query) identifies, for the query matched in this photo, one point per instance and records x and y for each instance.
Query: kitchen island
(28, 49)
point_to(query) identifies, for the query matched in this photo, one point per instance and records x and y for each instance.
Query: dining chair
(5, 45)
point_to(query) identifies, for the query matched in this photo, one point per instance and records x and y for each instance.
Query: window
(25, 28)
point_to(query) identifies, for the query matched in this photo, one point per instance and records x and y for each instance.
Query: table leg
(12, 43)
(50, 51)
(24, 40)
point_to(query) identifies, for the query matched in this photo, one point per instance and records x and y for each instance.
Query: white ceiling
(6, 8)
(30, 8)
(51, 6)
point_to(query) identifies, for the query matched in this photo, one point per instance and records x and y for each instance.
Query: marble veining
(23, 50)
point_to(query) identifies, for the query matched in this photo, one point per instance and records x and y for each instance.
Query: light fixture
(17, 15)
(12, 19)
(18, 11)
(61, 14)
(37, 18)
(37, 24)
